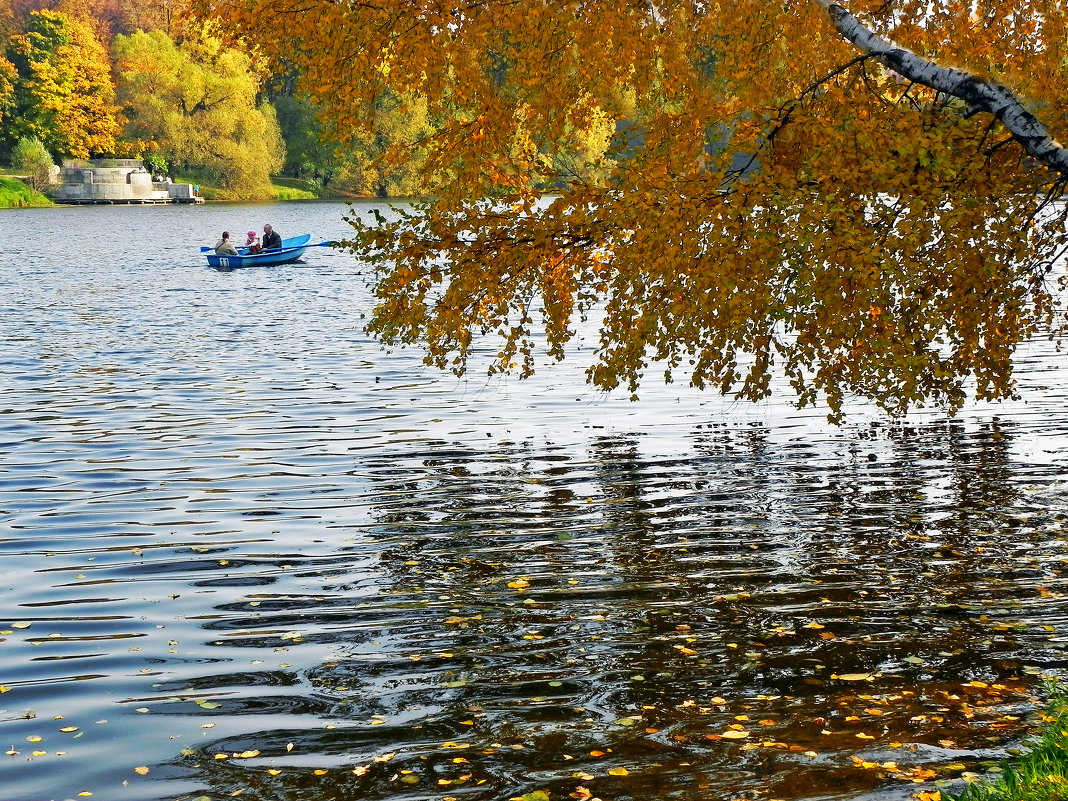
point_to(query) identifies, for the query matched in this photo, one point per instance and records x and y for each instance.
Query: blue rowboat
(292, 249)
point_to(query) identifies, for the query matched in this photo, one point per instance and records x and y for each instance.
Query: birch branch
(980, 95)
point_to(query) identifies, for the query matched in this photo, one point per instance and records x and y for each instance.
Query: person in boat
(253, 243)
(224, 247)
(271, 238)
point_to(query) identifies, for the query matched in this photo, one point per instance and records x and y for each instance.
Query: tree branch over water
(980, 94)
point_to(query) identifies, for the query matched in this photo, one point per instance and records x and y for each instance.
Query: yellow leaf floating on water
(319, 772)
(248, 754)
(21, 625)
(141, 770)
(4, 689)
(519, 584)
(735, 734)
(853, 676)
(69, 728)
(864, 736)
(33, 738)
(273, 771)
(618, 772)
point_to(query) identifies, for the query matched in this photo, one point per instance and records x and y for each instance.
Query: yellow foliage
(737, 194)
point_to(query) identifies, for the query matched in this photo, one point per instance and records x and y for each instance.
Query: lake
(247, 551)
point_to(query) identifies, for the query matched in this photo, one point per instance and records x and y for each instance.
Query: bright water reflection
(247, 549)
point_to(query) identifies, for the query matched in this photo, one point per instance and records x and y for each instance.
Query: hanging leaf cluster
(762, 197)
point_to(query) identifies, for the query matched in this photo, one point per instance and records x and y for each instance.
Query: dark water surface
(246, 551)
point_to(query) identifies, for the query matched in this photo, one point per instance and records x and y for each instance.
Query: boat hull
(292, 249)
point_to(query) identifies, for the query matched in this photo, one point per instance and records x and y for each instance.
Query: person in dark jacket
(271, 238)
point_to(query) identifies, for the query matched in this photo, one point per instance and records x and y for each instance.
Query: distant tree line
(131, 79)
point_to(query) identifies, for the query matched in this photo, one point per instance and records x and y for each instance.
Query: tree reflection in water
(756, 618)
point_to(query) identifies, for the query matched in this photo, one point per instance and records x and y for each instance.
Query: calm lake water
(246, 551)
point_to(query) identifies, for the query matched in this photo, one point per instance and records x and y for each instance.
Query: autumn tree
(194, 105)
(63, 94)
(792, 187)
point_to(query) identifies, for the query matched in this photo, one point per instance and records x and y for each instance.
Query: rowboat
(292, 249)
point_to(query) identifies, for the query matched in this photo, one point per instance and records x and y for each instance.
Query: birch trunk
(981, 95)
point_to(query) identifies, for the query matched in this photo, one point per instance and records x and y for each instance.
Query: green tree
(63, 94)
(308, 153)
(194, 106)
(798, 192)
(30, 157)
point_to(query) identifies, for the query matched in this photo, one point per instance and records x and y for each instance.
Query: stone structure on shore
(117, 181)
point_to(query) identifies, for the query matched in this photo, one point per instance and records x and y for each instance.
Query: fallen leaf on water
(21, 625)
(141, 770)
(734, 734)
(273, 771)
(248, 754)
(853, 676)
(618, 772)
(206, 704)
(386, 757)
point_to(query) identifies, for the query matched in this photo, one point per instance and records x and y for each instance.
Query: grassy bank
(15, 194)
(282, 189)
(1039, 774)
